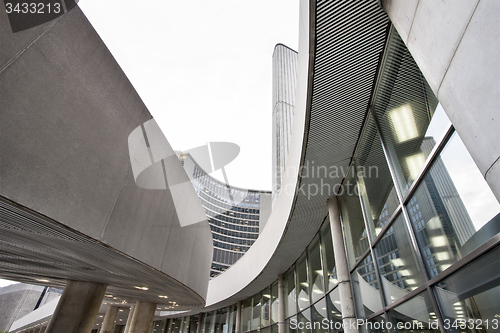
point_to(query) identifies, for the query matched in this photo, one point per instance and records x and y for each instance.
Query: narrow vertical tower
(284, 82)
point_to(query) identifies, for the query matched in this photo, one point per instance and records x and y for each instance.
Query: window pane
(266, 303)
(319, 313)
(374, 180)
(291, 294)
(352, 219)
(374, 325)
(328, 256)
(274, 303)
(302, 283)
(366, 288)
(257, 302)
(473, 293)
(415, 315)
(304, 318)
(405, 108)
(317, 284)
(399, 270)
(453, 211)
(246, 314)
(334, 310)
(291, 325)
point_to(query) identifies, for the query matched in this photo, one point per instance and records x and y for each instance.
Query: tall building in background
(236, 216)
(284, 83)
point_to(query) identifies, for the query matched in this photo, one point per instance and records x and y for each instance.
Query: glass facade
(421, 226)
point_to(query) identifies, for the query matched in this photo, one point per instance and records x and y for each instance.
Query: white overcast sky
(203, 69)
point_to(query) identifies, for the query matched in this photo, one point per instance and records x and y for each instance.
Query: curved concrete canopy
(69, 204)
(339, 48)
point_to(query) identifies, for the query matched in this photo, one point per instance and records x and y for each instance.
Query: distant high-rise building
(284, 84)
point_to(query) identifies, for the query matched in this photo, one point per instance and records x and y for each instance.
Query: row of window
(229, 225)
(222, 231)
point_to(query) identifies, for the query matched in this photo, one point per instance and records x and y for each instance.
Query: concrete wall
(16, 301)
(456, 45)
(67, 111)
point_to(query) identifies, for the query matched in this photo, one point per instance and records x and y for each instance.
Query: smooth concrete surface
(67, 111)
(238, 318)
(40, 316)
(142, 318)
(456, 45)
(77, 308)
(117, 329)
(342, 268)
(109, 320)
(129, 319)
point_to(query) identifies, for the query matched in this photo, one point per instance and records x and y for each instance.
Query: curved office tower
(236, 216)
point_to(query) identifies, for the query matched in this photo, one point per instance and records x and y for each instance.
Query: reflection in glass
(265, 308)
(405, 106)
(290, 292)
(291, 324)
(415, 315)
(328, 256)
(274, 303)
(317, 284)
(333, 306)
(304, 318)
(374, 325)
(366, 288)
(451, 204)
(319, 313)
(246, 314)
(257, 303)
(473, 293)
(352, 219)
(302, 283)
(399, 270)
(374, 180)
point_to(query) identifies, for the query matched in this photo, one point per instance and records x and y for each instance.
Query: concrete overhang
(69, 205)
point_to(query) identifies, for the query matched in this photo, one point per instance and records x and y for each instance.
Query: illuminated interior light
(42, 280)
(443, 267)
(442, 256)
(403, 123)
(141, 288)
(397, 262)
(415, 164)
(438, 241)
(319, 272)
(162, 296)
(266, 295)
(410, 281)
(405, 272)
(434, 223)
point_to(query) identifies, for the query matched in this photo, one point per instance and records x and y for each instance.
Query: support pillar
(344, 284)
(142, 318)
(129, 319)
(117, 329)
(77, 308)
(200, 323)
(109, 320)
(42, 330)
(36, 330)
(281, 304)
(238, 317)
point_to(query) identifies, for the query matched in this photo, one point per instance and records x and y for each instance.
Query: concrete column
(36, 330)
(129, 319)
(109, 320)
(200, 323)
(238, 317)
(142, 318)
(77, 308)
(42, 330)
(281, 304)
(346, 298)
(117, 328)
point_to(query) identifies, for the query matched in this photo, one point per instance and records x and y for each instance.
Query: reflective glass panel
(405, 107)
(415, 315)
(274, 303)
(328, 256)
(334, 310)
(374, 325)
(291, 325)
(302, 283)
(352, 219)
(290, 292)
(317, 284)
(246, 314)
(374, 180)
(472, 296)
(257, 303)
(366, 288)
(320, 316)
(453, 211)
(399, 271)
(304, 322)
(265, 308)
